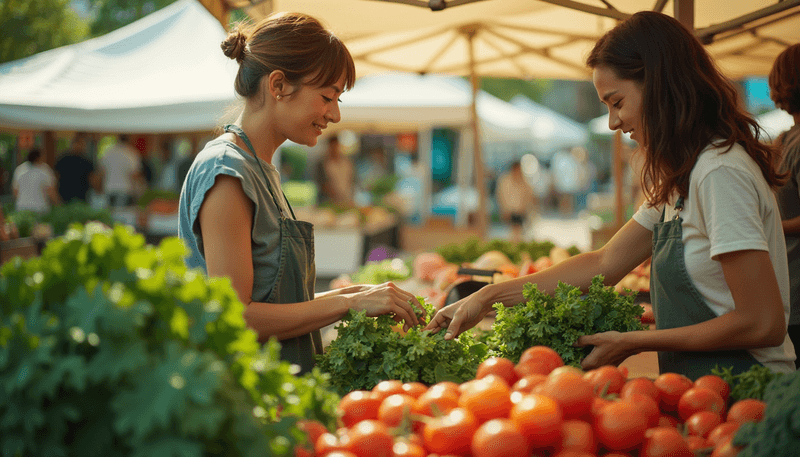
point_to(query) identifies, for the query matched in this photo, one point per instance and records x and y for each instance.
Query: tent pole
(619, 200)
(480, 181)
(684, 13)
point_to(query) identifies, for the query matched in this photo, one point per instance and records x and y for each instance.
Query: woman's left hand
(610, 348)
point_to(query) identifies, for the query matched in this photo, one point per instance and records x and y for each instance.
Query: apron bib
(677, 303)
(296, 275)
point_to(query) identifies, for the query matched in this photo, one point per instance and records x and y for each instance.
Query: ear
(276, 84)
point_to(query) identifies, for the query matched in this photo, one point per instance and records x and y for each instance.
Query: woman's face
(623, 97)
(308, 110)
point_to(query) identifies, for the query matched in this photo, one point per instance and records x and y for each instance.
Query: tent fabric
(551, 131)
(162, 73)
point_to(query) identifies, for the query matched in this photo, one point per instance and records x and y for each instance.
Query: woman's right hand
(387, 298)
(460, 316)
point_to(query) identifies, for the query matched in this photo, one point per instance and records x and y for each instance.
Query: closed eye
(616, 105)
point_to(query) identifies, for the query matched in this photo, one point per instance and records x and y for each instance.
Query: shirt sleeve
(731, 209)
(647, 216)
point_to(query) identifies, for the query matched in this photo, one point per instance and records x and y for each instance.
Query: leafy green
(473, 248)
(368, 350)
(558, 320)
(59, 217)
(778, 433)
(112, 347)
(379, 272)
(748, 384)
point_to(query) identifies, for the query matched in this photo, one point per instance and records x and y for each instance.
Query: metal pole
(480, 179)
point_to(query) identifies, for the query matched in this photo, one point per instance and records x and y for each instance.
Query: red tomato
(542, 354)
(487, 398)
(671, 387)
(702, 423)
(667, 420)
(598, 403)
(370, 438)
(605, 380)
(405, 449)
(499, 438)
(664, 442)
(573, 453)
(539, 419)
(726, 448)
(699, 399)
(642, 386)
(715, 383)
(571, 391)
(395, 408)
(451, 433)
(647, 406)
(357, 406)
(338, 454)
(747, 410)
(577, 435)
(696, 443)
(620, 426)
(328, 442)
(531, 367)
(525, 385)
(312, 428)
(385, 388)
(721, 432)
(414, 389)
(498, 366)
(436, 401)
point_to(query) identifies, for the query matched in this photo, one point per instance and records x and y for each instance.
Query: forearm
(791, 225)
(289, 320)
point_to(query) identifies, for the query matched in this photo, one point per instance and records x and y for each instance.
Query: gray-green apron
(677, 303)
(294, 282)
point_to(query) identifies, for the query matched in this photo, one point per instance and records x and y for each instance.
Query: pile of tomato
(537, 407)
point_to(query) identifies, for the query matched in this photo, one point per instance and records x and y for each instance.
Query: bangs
(332, 65)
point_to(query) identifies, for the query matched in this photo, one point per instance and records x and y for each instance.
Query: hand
(610, 348)
(459, 316)
(386, 298)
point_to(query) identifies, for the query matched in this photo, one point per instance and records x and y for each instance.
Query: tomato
(385, 388)
(542, 354)
(598, 403)
(696, 443)
(302, 452)
(358, 405)
(715, 383)
(451, 433)
(721, 432)
(338, 454)
(312, 428)
(370, 438)
(726, 448)
(499, 438)
(646, 405)
(605, 380)
(436, 401)
(414, 389)
(498, 366)
(642, 386)
(664, 442)
(395, 408)
(539, 419)
(577, 435)
(328, 442)
(702, 423)
(671, 387)
(620, 426)
(447, 385)
(526, 384)
(747, 410)
(570, 390)
(531, 367)
(487, 398)
(667, 420)
(406, 449)
(573, 453)
(699, 399)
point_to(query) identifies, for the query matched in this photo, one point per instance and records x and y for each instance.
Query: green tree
(32, 26)
(113, 14)
(507, 88)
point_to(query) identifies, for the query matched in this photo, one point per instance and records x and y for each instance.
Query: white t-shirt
(730, 208)
(32, 182)
(119, 164)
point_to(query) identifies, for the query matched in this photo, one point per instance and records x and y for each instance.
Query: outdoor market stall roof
(162, 73)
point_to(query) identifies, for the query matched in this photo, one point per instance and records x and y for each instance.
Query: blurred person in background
(336, 176)
(75, 172)
(122, 172)
(34, 184)
(516, 199)
(784, 86)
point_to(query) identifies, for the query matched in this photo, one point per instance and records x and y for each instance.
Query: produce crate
(22, 247)
(436, 232)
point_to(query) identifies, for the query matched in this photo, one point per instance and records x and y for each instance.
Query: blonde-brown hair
(294, 43)
(784, 80)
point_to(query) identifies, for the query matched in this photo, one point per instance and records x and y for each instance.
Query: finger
(454, 329)
(438, 321)
(403, 310)
(582, 341)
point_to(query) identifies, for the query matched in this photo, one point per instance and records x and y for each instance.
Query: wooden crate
(21, 247)
(436, 232)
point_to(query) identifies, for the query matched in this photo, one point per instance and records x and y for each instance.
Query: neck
(265, 141)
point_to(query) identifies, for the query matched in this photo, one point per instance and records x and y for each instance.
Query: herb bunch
(748, 384)
(778, 433)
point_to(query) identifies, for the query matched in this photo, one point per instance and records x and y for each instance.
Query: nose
(334, 115)
(613, 121)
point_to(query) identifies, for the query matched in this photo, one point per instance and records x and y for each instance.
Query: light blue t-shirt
(222, 157)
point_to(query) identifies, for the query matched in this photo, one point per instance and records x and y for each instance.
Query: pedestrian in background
(336, 175)
(784, 86)
(122, 172)
(75, 172)
(515, 199)
(34, 184)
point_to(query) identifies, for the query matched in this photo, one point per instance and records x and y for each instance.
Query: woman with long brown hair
(234, 216)
(719, 277)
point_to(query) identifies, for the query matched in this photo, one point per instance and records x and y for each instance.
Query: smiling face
(307, 110)
(623, 97)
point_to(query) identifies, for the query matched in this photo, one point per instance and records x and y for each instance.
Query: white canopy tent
(162, 73)
(551, 131)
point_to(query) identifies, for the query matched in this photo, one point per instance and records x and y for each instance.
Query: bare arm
(226, 223)
(756, 321)
(791, 225)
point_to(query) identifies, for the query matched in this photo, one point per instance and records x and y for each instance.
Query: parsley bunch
(748, 384)
(369, 350)
(558, 320)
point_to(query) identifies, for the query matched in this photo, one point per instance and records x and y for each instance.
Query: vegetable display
(778, 434)
(111, 347)
(470, 250)
(381, 271)
(749, 384)
(558, 320)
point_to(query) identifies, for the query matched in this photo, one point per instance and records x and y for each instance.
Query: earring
(278, 97)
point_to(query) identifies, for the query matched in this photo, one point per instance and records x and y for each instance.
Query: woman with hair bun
(711, 224)
(234, 216)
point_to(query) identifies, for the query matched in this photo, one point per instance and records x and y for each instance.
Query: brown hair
(784, 80)
(686, 102)
(294, 43)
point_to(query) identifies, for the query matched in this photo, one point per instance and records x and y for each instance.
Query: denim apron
(294, 282)
(677, 303)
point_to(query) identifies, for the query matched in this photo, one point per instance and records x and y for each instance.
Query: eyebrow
(336, 88)
(608, 95)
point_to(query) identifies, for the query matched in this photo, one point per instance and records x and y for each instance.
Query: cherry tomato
(395, 408)
(573, 453)
(338, 454)
(664, 442)
(525, 385)
(667, 420)
(671, 387)
(598, 403)
(620, 426)
(451, 433)
(642, 386)
(577, 435)
(696, 443)
(414, 389)
(498, 366)
(357, 406)
(539, 419)
(385, 388)
(436, 401)
(721, 432)
(647, 406)
(406, 449)
(531, 367)
(715, 383)
(312, 428)
(747, 410)
(699, 399)
(570, 390)
(499, 438)
(605, 380)
(370, 438)
(543, 354)
(328, 442)
(487, 398)
(702, 423)
(726, 448)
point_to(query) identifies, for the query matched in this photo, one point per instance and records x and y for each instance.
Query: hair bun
(234, 45)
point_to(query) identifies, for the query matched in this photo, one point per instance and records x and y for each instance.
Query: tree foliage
(113, 14)
(33, 26)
